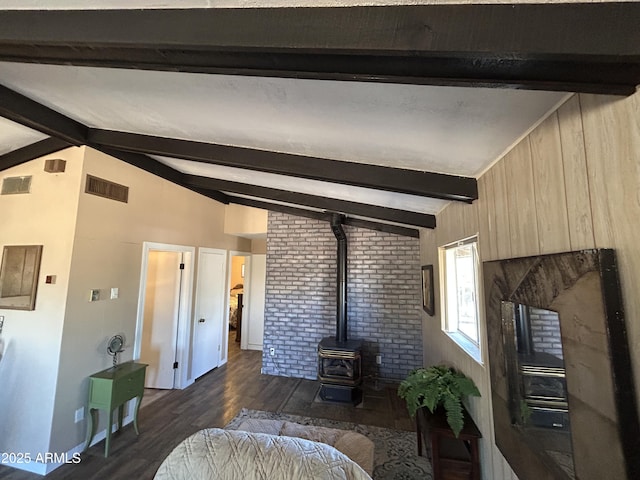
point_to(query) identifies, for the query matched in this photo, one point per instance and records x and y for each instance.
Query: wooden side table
(111, 389)
(452, 458)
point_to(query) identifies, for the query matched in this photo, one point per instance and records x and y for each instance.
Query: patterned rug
(395, 456)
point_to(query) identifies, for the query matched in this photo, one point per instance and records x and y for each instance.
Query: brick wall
(545, 331)
(383, 295)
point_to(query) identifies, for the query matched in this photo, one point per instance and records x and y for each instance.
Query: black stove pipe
(341, 323)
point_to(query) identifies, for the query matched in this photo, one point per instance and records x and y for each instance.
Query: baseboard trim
(45, 463)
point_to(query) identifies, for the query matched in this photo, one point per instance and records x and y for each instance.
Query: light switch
(114, 293)
(94, 295)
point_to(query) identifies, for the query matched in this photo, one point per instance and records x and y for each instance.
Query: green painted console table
(111, 389)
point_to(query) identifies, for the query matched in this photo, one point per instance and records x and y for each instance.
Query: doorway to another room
(247, 281)
(164, 310)
(237, 300)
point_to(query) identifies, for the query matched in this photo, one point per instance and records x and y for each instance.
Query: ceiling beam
(163, 171)
(20, 109)
(368, 211)
(586, 47)
(413, 182)
(326, 217)
(31, 152)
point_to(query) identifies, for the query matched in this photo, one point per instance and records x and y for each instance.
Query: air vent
(14, 185)
(55, 165)
(105, 188)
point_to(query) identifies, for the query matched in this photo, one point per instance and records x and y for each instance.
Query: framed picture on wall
(428, 304)
(19, 276)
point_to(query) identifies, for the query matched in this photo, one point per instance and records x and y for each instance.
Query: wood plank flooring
(212, 401)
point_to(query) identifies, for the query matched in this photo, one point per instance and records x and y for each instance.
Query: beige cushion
(216, 454)
(354, 445)
(272, 427)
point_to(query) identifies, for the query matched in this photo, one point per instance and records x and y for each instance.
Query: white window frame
(449, 298)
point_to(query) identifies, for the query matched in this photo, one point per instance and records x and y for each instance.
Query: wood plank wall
(573, 183)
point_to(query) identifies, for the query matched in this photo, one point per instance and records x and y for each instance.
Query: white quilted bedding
(214, 453)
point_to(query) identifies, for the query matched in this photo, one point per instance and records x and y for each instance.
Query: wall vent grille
(16, 185)
(106, 189)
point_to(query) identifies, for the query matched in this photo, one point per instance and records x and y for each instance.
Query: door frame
(181, 378)
(225, 304)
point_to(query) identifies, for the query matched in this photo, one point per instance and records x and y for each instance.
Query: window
(459, 264)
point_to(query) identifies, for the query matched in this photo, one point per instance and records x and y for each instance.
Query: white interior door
(255, 323)
(160, 324)
(209, 311)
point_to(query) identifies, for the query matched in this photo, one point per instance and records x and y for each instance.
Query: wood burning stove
(537, 376)
(340, 359)
(544, 391)
(340, 370)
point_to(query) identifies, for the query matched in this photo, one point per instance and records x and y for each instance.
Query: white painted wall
(259, 245)
(244, 221)
(28, 369)
(89, 243)
(108, 253)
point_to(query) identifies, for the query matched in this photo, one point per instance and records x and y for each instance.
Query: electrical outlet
(79, 414)
(378, 359)
(272, 351)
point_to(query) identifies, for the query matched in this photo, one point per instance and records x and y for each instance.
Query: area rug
(395, 456)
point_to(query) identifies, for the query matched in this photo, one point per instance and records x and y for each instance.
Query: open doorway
(247, 281)
(164, 310)
(238, 276)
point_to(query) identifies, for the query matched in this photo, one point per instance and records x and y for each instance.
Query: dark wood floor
(212, 401)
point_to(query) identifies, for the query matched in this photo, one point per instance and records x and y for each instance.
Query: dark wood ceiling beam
(569, 47)
(163, 171)
(326, 217)
(31, 152)
(413, 182)
(350, 208)
(20, 109)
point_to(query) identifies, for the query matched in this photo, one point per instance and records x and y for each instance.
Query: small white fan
(114, 347)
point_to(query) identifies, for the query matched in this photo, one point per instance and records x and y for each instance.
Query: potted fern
(438, 386)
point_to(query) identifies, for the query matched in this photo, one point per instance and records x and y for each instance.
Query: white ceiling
(440, 129)
(14, 136)
(453, 130)
(413, 203)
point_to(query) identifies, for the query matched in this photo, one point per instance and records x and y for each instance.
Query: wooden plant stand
(452, 458)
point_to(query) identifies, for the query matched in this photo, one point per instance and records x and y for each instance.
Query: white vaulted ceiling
(283, 106)
(14, 136)
(451, 130)
(420, 127)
